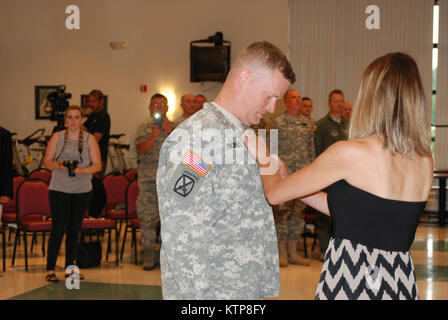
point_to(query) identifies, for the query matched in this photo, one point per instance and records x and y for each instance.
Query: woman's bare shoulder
(351, 149)
(55, 136)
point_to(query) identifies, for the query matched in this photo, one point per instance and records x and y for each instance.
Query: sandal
(80, 275)
(51, 277)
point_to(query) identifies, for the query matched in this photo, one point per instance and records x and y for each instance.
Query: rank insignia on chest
(196, 163)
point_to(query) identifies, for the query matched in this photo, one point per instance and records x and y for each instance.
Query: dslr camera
(71, 166)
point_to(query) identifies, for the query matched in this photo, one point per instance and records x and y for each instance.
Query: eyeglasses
(161, 104)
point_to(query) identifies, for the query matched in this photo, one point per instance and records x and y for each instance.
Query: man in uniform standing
(218, 232)
(307, 108)
(296, 148)
(333, 127)
(328, 130)
(149, 138)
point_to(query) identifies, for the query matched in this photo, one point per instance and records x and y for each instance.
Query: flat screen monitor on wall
(209, 62)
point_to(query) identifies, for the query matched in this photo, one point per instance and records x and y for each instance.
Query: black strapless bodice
(370, 220)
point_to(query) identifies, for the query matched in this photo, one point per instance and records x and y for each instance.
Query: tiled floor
(128, 281)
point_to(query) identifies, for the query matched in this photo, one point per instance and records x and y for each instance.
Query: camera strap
(80, 148)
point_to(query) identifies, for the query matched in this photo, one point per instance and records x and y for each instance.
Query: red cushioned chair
(100, 224)
(32, 202)
(115, 186)
(132, 220)
(9, 215)
(42, 174)
(131, 174)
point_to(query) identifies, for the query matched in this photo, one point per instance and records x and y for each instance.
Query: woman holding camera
(73, 156)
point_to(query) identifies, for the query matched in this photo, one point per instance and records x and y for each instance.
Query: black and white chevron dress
(368, 256)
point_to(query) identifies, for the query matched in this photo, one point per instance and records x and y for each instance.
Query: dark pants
(102, 173)
(67, 213)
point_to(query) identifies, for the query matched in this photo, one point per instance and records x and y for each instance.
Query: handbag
(89, 254)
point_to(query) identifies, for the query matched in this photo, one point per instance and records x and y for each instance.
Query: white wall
(37, 49)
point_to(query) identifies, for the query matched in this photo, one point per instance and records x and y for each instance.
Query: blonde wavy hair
(391, 103)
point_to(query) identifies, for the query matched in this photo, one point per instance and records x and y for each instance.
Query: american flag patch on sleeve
(196, 163)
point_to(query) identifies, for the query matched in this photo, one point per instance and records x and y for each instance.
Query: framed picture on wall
(42, 105)
(85, 111)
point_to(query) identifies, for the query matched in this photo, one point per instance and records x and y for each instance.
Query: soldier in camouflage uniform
(218, 232)
(149, 138)
(296, 148)
(306, 109)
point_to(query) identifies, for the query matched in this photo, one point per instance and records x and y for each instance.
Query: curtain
(441, 140)
(330, 45)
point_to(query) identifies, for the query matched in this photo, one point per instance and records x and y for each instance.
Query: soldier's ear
(244, 75)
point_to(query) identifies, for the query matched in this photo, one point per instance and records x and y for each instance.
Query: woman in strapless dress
(377, 184)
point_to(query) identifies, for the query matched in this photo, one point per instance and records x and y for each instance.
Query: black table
(442, 175)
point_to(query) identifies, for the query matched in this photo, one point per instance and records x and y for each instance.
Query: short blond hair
(264, 54)
(391, 103)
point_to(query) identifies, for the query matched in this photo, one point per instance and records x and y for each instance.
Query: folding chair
(33, 212)
(9, 216)
(115, 186)
(42, 174)
(132, 220)
(131, 174)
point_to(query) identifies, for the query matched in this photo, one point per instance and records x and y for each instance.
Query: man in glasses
(148, 140)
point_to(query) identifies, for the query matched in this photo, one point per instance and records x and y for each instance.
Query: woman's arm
(332, 165)
(50, 153)
(95, 158)
(318, 201)
(329, 167)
